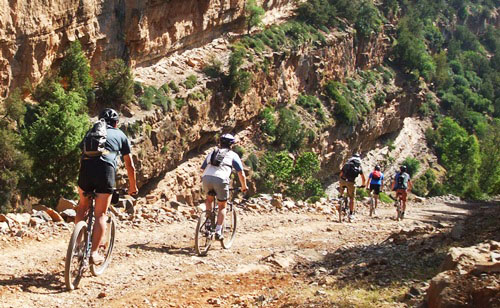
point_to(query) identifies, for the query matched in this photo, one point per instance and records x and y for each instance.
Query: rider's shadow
(169, 249)
(36, 283)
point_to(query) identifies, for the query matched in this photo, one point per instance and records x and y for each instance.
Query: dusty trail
(156, 266)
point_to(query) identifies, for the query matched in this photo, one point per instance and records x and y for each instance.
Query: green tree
(254, 14)
(368, 21)
(115, 85)
(412, 165)
(52, 143)
(75, 70)
(489, 170)
(289, 132)
(459, 154)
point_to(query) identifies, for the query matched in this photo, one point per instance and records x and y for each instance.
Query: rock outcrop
(33, 34)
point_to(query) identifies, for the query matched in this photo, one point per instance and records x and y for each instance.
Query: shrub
(239, 150)
(75, 70)
(180, 102)
(190, 81)
(412, 165)
(289, 131)
(115, 85)
(56, 163)
(173, 86)
(385, 198)
(252, 161)
(213, 69)
(361, 193)
(379, 98)
(268, 125)
(253, 14)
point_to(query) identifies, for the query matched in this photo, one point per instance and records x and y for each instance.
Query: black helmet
(402, 168)
(377, 167)
(357, 155)
(227, 140)
(109, 115)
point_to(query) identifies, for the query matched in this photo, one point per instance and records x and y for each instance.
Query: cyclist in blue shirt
(375, 183)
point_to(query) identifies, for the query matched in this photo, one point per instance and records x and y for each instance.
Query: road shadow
(50, 282)
(168, 249)
(414, 253)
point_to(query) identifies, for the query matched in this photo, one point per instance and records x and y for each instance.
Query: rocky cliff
(33, 34)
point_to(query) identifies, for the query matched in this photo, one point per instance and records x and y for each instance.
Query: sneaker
(402, 215)
(351, 217)
(96, 258)
(219, 236)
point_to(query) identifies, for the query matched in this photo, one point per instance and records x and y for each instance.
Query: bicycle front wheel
(106, 247)
(230, 224)
(75, 256)
(202, 240)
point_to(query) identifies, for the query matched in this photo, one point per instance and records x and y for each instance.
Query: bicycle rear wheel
(230, 224)
(372, 206)
(75, 256)
(106, 247)
(398, 209)
(202, 241)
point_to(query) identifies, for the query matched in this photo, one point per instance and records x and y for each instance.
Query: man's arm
(243, 180)
(363, 179)
(129, 164)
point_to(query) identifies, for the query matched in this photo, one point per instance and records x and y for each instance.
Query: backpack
(402, 180)
(376, 175)
(218, 156)
(351, 170)
(95, 139)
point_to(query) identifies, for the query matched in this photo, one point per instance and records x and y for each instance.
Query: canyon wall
(34, 34)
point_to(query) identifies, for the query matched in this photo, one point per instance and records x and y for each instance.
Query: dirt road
(278, 259)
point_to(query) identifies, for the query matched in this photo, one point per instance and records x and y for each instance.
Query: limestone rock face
(33, 34)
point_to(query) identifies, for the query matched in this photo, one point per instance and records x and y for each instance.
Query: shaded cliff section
(34, 34)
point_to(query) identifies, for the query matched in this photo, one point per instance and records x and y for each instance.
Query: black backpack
(351, 170)
(95, 140)
(218, 156)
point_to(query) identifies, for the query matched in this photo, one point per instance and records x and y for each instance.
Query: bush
(361, 193)
(180, 102)
(213, 69)
(253, 14)
(173, 86)
(289, 131)
(252, 161)
(75, 70)
(239, 150)
(412, 165)
(379, 98)
(56, 163)
(115, 85)
(385, 198)
(269, 121)
(190, 81)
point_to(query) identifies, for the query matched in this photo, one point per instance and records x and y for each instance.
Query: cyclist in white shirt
(217, 169)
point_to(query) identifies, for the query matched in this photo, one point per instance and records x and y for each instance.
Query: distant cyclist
(375, 183)
(217, 169)
(348, 176)
(402, 185)
(97, 174)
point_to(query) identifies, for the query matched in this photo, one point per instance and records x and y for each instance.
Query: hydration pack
(402, 180)
(95, 140)
(218, 156)
(351, 170)
(376, 175)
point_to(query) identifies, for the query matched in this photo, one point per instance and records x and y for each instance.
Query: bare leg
(83, 206)
(208, 202)
(222, 212)
(102, 202)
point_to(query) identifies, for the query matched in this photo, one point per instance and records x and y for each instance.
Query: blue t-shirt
(376, 182)
(116, 143)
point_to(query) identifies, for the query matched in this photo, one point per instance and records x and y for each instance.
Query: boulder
(42, 215)
(64, 204)
(54, 215)
(277, 201)
(4, 226)
(68, 215)
(289, 204)
(22, 219)
(463, 258)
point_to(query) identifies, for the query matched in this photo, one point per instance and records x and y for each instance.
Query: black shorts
(96, 175)
(375, 188)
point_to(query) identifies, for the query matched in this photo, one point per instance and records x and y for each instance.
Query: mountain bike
(204, 236)
(343, 207)
(399, 207)
(80, 244)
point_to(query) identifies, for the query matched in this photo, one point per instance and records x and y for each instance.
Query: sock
(218, 229)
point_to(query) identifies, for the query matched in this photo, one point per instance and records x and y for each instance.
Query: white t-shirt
(231, 160)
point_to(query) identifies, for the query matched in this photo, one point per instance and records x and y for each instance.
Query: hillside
(301, 84)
